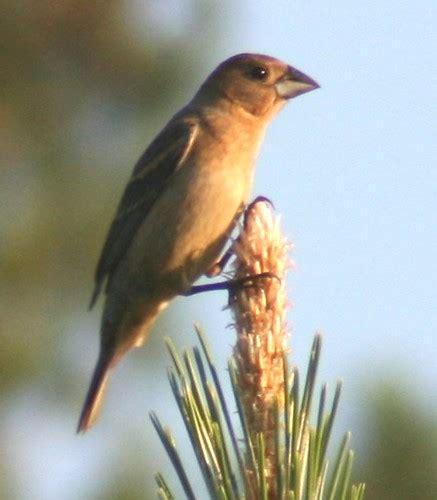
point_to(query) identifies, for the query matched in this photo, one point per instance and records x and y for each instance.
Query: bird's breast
(185, 231)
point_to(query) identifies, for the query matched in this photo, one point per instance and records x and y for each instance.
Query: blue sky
(351, 168)
(355, 176)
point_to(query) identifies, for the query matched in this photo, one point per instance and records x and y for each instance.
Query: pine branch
(274, 451)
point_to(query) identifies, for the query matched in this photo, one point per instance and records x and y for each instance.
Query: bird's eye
(258, 73)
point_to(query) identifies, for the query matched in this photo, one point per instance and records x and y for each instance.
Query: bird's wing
(150, 177)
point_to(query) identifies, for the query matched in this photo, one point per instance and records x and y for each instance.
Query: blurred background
(351, 168)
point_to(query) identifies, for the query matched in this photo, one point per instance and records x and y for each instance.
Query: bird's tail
(93, 400)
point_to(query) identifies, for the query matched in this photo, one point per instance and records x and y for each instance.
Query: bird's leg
(210, 287)
(219, 266)
(231, 285)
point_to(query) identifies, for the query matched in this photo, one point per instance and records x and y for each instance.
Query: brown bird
(184, 197)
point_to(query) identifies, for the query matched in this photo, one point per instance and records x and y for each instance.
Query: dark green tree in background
(79, 84)
(84, 86)
(400, 436)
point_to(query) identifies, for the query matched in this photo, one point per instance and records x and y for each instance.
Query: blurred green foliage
(84, 86)
(400, 436)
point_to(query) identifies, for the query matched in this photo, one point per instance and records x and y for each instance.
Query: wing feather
(151, 175)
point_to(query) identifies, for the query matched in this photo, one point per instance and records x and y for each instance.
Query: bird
(182, 201)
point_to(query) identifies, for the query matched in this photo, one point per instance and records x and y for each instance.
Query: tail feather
(94, 397)
(122, 330)
(94, 296)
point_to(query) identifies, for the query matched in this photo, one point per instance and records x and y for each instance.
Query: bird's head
(259, 84)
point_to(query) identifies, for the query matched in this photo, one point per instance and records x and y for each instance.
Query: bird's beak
(294, 83)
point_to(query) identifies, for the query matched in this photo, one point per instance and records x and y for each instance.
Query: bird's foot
(258, 199)
(232, 286)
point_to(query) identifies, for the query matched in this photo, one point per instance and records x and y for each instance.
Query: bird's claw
(258, 199)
